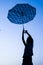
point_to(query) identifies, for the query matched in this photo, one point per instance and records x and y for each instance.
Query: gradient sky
(11, 46)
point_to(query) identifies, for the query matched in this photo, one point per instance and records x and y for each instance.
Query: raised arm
(28, 34)
(23, 37)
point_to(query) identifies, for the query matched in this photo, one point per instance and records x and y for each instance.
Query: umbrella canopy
(21, 13)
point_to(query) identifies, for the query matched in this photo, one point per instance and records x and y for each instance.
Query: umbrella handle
(23, 26)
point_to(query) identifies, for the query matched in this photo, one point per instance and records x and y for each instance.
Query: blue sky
(11, 46)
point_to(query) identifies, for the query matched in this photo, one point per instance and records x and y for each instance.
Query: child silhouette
(28, 51)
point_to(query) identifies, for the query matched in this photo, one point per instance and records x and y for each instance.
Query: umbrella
(21, 13)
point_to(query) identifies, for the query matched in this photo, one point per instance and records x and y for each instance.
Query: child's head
(29, 40)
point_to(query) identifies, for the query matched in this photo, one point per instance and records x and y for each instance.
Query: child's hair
(29, 40)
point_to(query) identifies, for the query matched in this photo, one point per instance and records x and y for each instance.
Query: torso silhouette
(28, 51)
